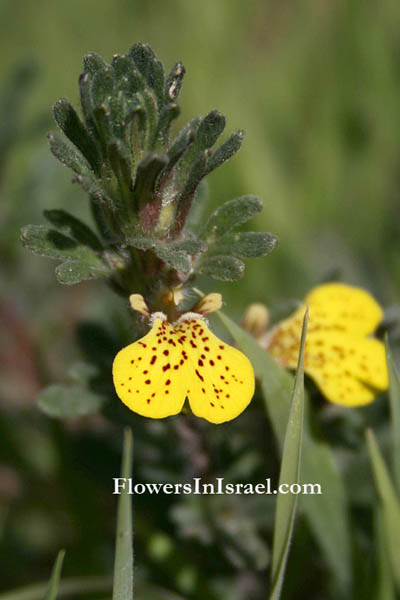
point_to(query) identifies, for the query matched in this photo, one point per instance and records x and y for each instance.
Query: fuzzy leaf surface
(69, 122)
(232, 214)
(71, 272)
(73, 227)
(247, 244)
(222, 267)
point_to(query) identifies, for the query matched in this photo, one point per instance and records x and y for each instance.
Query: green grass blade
(123, 566)
(290, 473)
(74, 586)
(384, 586)
(394, 396)
(52, 590)
(389, 502)
(327, 513)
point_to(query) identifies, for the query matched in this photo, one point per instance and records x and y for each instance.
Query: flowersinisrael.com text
(218, 487)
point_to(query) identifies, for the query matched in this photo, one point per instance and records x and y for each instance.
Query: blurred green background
(316, 86)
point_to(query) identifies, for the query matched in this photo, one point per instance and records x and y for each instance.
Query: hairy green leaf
(73, 227)
(224, 268)
(103, 119)
(182, 141)
(93, 187)
(150, 67)
(53, 244)
(67, 154)
(246, 244)
(192, 166)
(190, 246)
(128, 79)
(69, 122)
(168, 114)
(93, 62)
(71, 272)
(120, 161)
(85, 82)
(226, 150)
(140, 242)
(210, 129)
(176, 258)
(230, 215)
(102, 85)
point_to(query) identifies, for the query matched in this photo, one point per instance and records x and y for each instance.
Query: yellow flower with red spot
(180, 360)
(346, 362)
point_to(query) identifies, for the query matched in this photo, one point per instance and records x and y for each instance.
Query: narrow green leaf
(389, 501)
(123, 566)
(85, 82)
(102, 85)
(183, 141)
(230, 215)
(127, 77)
(120, 161)
(226, 150)
(290, 474)
(327, 513)
(210, 129)
(122, 65)
(68, 401)
(168, 114)
(69, 122)
(384, 583)
(194, 177)
(150, 67)
(394, 396)
(52, 590)
(104, 125)
(73, 227)
(246, 244)
(223, 268)
(93, 62)
(97, 192)
(71, 272)
(67, 154)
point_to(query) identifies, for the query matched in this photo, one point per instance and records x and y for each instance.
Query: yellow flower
(180, 360)
(346, 363)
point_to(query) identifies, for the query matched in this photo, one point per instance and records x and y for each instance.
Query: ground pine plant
(145, 184)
